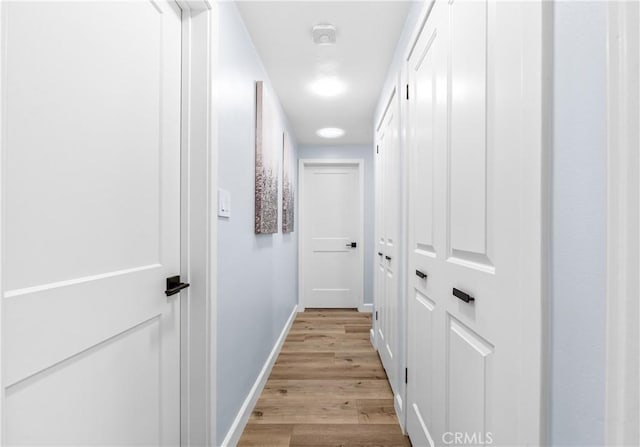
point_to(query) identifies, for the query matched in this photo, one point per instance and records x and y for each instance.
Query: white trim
(241, 419)
(622, 423)
(195, 6)
(403, 298)
(366, 307)
(405, 227)
(3, 140)
(198, 225)
(424, 15)
(397, 405)
(302, 164)
(394, 89)
(395, 99)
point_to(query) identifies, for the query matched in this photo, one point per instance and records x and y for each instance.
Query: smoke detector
(324, 35)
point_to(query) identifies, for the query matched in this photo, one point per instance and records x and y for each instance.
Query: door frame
(198, 228)
(622, 421)
(303, 164)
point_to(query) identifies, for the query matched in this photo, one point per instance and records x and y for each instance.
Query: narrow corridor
(328, 387)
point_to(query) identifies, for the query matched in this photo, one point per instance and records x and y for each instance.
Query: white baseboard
(366, 307)
(300, 308)
(397, 404)
(239, 423)
(372, 338)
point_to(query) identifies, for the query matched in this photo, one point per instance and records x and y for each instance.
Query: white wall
(365, 152)
(257, 274)
(578, 310)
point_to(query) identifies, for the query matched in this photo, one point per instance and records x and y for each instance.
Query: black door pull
(420, 274)
(352, 244)
(463, 296)
(388, 258)
(379, 254)
(174, 285)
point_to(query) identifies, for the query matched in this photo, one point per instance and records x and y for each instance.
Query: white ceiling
(367, 34)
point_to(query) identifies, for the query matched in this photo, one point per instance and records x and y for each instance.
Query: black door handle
(463, 296)
(174, 285)
(420, 274)
(352, 244)
(388, 258)
(379, 254)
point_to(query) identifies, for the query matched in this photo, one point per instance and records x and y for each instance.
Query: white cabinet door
(474, 322)
(91, 220)
(388, 209)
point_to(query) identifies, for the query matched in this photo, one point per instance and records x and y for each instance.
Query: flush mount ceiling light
(330, 132)
(324, 34)
(331, 86)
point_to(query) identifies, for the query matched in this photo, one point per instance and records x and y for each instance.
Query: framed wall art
(268, 144)
(288, 182)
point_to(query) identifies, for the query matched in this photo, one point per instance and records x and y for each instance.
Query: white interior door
(91, 221)
(388, 212)
(472, 360)
(332, 226)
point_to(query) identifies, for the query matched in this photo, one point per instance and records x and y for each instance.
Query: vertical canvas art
(268, 143)
(288, 195)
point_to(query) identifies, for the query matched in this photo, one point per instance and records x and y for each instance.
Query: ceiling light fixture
(330, 132)
(331, 86)
(324, 34)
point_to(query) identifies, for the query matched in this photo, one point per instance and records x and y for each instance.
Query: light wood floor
(327, 388)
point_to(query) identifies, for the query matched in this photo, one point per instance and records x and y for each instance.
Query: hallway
(319, 223)
(327, 382)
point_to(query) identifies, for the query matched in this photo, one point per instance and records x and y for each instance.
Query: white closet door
(91, 220)
(473, 368)
(426, 136)
(388, 261)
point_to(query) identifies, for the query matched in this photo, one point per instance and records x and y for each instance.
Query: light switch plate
(224, 203)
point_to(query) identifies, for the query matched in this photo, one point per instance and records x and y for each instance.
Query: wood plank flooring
(327, 388)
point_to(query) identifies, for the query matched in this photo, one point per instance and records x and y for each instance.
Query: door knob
(174, 285)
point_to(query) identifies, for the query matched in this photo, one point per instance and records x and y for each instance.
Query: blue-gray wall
(578, 310)
(365, 152)
(257, 274)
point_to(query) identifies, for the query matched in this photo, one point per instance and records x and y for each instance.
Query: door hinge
(406, 375)
(407, 92)
(376, 315)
